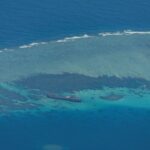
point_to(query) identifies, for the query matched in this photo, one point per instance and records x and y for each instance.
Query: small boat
(69, 98)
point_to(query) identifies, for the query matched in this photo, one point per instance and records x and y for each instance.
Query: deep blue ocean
(26, 21)
(110, 129)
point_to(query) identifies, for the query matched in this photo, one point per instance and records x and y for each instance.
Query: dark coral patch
(67, 82)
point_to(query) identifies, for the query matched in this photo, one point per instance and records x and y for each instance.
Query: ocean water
(96, 53)
(32, 20)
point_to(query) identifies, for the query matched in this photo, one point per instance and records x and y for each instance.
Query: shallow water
(121, 56)
(108, 72)
(75, 64)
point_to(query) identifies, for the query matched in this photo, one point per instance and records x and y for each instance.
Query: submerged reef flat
(73, 91)
(12, 99)
(9, 94)
(57, 74)
(69, 98)
(112, 97)
(70, 82)
(122, 55)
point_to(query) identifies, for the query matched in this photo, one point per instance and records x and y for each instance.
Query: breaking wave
(74, 38)
(32, 45)
(84, 36)
(125, 32)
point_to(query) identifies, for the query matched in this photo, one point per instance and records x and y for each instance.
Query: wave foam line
(6, 50)
(125, 32)
(32, 45)
(73, 38)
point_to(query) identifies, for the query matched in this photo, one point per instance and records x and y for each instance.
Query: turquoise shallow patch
(91, 100)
